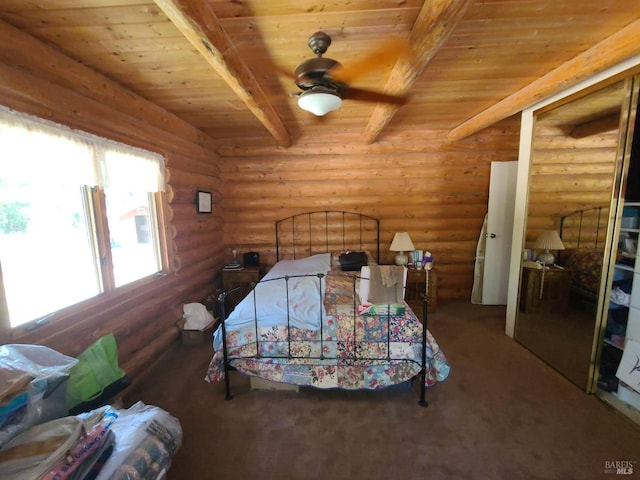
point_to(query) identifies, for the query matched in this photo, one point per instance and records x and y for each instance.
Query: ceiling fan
(325, 83)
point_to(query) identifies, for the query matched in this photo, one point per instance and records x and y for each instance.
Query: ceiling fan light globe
(319, 102)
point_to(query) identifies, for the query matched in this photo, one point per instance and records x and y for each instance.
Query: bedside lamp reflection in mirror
(548, 240)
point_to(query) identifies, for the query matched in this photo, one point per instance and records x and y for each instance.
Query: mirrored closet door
(579, 159)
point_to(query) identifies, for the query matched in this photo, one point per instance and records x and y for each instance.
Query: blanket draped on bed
(386, 284)
(347, 351)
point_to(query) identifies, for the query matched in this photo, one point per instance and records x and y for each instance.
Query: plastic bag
(196, 316)
(35, 391)
(97, 368)
(29, 454)
(64, 448)
(147, 438)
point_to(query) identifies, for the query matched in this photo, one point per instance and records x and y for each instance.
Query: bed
(583, 234)
(310, 323)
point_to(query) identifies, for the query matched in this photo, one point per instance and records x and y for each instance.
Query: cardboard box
(197, 337)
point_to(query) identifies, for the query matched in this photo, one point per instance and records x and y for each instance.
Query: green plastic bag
(97, 368)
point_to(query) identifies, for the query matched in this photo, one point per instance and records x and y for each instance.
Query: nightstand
(416, 285)
(545, 289)
(242, 280)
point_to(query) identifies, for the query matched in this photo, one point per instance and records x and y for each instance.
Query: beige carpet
(502, 414)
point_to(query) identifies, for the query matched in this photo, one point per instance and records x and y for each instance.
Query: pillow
(363, 291)
(318, 263)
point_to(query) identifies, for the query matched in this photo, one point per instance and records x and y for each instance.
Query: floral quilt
(348, 351)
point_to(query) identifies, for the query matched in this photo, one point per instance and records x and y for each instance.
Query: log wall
(41, 81)
(417, 182)
(568, 175)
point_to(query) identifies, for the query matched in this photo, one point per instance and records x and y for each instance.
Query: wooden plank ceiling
(215, 63)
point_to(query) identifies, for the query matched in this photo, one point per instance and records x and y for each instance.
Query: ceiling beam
(435, 22)
(608, 123)
(200, 25)
(620, 46)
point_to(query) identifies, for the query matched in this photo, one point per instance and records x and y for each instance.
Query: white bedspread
(305, 297)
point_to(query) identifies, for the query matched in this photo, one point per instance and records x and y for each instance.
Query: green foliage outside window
(12, 217)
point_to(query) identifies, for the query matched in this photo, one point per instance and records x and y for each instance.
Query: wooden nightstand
(417, 284)
(545, 290)
(240, 279)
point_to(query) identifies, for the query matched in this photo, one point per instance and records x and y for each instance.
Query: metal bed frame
(360, 220)
(597, 211)
(305, 242)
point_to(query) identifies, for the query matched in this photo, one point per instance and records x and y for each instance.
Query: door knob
(493, 235)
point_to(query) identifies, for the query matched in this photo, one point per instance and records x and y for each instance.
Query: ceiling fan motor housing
(313, 72)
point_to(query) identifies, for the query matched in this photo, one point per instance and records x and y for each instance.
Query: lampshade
(319, 101)
(401, 243)
(548, 240)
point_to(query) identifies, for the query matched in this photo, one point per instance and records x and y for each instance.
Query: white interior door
(502, 189)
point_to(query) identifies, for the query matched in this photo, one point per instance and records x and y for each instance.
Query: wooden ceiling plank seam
(86, 16)
(435, 23)
(335, 22)
(201, 27)
(226, 9)
(614, 49)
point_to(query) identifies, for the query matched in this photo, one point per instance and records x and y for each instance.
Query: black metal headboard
(584, 226)
(323, 231)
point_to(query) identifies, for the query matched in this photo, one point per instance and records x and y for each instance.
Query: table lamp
(401, 243)
(548, 240)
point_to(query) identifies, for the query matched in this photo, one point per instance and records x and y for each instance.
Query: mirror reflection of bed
(573, 165)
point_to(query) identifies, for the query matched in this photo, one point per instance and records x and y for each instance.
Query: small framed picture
(203, 201)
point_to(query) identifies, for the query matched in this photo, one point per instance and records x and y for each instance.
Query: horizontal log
(422, 209)
(571, 198)
(586, 182)
(204, 166)
(202, 181)
(184, 193)
(188, 227)
(352, 144)
(410, 161)
(565, 156)
(603, 141)
(575, 168)
(372, 173)
(137, 364)
(131, 341)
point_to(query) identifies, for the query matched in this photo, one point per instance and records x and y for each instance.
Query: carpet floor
(501, 414)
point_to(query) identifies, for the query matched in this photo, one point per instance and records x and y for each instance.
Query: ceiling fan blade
(370, 96)
(390, 51)
(284, 72)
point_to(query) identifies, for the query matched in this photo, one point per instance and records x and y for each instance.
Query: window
(78, 216)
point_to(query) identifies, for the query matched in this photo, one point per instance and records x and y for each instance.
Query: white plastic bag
(146, 439)
(196, 316)
(43, 398)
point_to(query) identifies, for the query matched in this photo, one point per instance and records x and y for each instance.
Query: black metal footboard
(354, 353)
